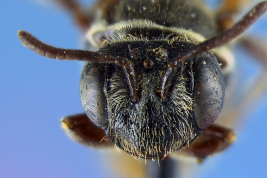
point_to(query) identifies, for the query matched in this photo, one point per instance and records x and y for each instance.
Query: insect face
(151, 126)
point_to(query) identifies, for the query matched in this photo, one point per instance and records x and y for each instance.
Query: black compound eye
(92, 95)
(209, 90)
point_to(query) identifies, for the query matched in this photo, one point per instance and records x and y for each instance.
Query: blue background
(36, 92)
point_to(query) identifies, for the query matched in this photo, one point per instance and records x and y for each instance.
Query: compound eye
(209, 90)
(92, 95)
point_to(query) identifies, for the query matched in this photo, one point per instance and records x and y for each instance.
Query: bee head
(130, 102)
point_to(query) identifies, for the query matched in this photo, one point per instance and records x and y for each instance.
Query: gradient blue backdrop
(36, 92)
